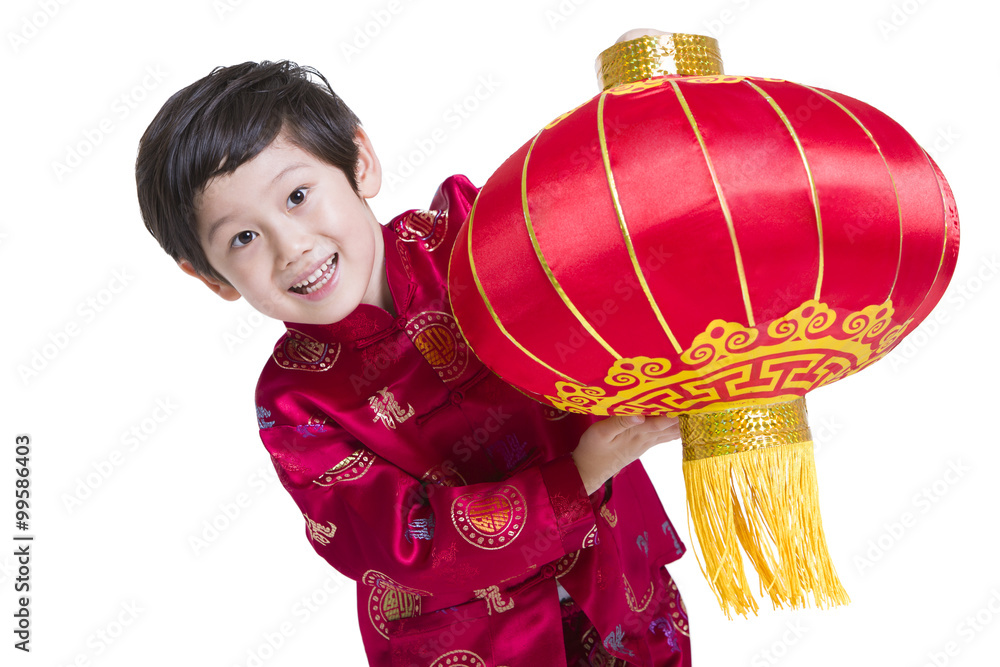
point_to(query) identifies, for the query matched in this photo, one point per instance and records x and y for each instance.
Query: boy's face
(291, 236)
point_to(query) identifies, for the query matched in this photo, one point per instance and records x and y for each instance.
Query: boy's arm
(365, 515)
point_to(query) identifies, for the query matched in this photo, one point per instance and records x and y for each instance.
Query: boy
(477, 522)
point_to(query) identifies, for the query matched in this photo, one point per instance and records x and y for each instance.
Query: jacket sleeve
(364, 513)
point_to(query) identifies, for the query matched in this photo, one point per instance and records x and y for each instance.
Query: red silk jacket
(450, 497)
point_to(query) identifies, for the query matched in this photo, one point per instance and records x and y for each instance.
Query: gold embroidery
(591, 539)
(635, 86)
(678, 612)
(427, 227)
(389, 601)
(459, 658)
(444, 474)
(566, 563)
(729, 364)
(490, 520)
(437, 336)
(494, 601)
(551, 413)
(351, 468)
(609, 516)
(388, 410)
(634, 604)
(298, 351)
(318, 532)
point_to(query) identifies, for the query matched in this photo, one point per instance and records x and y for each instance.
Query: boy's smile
(291, 236)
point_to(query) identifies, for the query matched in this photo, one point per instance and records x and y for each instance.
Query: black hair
(222, 121)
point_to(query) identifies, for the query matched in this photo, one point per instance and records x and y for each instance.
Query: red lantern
(715, 247)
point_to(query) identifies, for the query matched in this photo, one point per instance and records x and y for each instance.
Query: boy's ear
(368, 171)
(225, 290)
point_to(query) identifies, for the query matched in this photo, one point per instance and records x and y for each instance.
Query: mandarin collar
(368, 321)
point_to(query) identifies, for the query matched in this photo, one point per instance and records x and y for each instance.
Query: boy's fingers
(657, 424)
(613, 426)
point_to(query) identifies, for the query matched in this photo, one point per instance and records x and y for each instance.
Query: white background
(124, 552)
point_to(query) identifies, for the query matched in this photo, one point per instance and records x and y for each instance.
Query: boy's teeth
(316, 275)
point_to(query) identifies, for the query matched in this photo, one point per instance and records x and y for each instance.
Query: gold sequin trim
(742, 429)
(649, 56)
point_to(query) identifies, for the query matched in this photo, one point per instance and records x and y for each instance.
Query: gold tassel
(751, 480)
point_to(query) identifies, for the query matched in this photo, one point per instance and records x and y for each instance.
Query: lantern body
(688, 244)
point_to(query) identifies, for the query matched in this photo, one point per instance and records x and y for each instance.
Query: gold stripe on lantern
(640, 276)
(744, 290)
(489, 306)
(895, 191)
(812, 183)
(545, 265)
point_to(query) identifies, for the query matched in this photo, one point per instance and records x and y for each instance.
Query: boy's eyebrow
(221, 221)
(289, 168)
(215, 226)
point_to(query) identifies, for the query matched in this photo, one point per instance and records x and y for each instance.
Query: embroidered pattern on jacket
(459, 658)
(594, 650)
(351, 468)
(591, 538)
(437, 336)
(678, 612)
(298, 351)
(508, 452)
(609, 515)
(614, 642)
(389, 601)
(562, 566)
(420, 529)
(427, 227)
(318, 532)
(663, 626)
(494, 601)
(553, 414)
(261, 414)
(668, 527)
(310, 430)
(444, 474)
(490, 521)
(643, 542)
(634, 604)
(388, 410)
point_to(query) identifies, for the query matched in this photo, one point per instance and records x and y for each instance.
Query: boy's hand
(611, 444)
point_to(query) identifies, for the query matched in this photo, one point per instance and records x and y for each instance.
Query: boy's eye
(243, 238)
(297, 197)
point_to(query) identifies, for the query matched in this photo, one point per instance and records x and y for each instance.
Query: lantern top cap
(654, 54)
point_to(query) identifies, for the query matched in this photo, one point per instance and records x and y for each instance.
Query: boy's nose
(293, 244)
